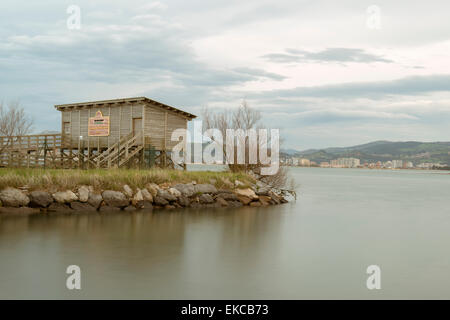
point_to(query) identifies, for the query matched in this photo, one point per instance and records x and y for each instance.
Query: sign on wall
(98, 125)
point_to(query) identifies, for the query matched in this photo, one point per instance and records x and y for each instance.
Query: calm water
(317, 247)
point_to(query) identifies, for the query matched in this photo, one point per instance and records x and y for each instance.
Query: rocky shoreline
(152, 196)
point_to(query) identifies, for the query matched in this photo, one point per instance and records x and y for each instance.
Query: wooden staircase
(121, 152)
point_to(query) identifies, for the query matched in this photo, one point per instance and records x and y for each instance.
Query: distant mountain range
(414, 151)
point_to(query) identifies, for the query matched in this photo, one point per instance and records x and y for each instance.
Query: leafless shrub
(13, 122)
(245, 118)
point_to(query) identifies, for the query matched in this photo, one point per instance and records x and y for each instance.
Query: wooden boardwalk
(31, 151)
(59, 152)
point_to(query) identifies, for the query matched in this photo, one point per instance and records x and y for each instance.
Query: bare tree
(245, 118)
(13, 122)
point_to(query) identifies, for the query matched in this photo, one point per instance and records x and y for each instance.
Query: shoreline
(166, 195)
(393, 169)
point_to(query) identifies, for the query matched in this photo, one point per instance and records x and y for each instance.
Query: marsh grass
(112, 179)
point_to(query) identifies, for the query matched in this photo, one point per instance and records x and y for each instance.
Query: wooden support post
(99, 152)
(142, 162)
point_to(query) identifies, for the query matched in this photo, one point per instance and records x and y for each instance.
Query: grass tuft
(112, 179)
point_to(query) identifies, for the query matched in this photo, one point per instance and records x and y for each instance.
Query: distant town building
(387, 165)
(304, 162)
(397, 164)
(429, 165)
(345, 163)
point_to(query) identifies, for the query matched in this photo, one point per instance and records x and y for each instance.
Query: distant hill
(413, 151)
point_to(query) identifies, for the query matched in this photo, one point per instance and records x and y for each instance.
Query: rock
(128, 191)
(147, 205)
(109, 209)
(228, 196)
(263, 191)
(168, 206)
(174, 192)
(247, 193)
(223, 191)
(212, 205)
(255, 175)
(238, 183)
(40, 199)
(12, 197)
(82, 206)
(184, 201)
(245, 200)
(274, 197)
(130, 208)
(205, 188)
(59, 207)
(147, 195)
(65, 197)
(227, 182)
(166, 195)
(138, 199)
(21, 210)
(187, 190)
(234, 204)
(205, 198)
(261, 184)
(153, 189)
(222, 202)
(83, 194)
(159, 201)
(255, 204)
(95, 200)
(165, 185)
(265, 200)
(196, 205)
(115, 199)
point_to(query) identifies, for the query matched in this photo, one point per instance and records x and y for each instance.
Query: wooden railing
(55, 151)
(31, 142)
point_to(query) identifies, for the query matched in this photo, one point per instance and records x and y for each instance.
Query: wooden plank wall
(121, 117)
(173, 122)
(158, 124)
(154, 126)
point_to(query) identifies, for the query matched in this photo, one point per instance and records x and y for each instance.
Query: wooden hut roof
(92, 104)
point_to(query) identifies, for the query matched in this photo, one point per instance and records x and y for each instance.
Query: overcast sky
(327, 73)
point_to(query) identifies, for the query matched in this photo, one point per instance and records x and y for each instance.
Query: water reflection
(317, 247)
(151, 253)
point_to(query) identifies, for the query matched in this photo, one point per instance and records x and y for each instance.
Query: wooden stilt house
(103, 134)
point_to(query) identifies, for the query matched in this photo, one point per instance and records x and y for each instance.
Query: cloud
(260, 73)
(340, 55)
(185, 54)
(282, 58)
(413, 85)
